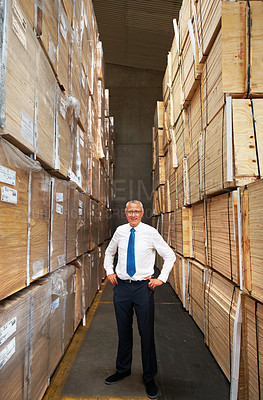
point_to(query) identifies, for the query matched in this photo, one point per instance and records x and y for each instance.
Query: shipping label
(7, 353)
(59, 197)
(7, 330)
(8, 195)
(59, 209)
(7, 175)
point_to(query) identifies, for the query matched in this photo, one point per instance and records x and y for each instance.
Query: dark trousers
(127, 298)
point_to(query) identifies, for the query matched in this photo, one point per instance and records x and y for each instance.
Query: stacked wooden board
(56, 180)
(212, 103)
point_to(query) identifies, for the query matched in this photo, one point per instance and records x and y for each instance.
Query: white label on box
(51, 50)
(80, 211)
(8, 195)
(27, 131)
(59, 209)
(61, 260)
(38, 269)
(7, 175)
(63, 107)
(54, 305)
(7, 353)
(59, 197)
(7, 330)
(19, 32)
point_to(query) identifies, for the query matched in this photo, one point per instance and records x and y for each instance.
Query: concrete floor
(187, 370)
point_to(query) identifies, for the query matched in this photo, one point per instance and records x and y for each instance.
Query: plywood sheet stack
(213, 92)
(56, 179)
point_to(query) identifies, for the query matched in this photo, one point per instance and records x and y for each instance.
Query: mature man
(134, 286)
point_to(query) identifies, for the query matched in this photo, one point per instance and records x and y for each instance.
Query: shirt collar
(137, 228)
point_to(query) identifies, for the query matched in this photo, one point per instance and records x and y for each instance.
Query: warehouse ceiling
(136, 33)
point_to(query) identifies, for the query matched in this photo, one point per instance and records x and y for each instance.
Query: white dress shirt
(147, 242)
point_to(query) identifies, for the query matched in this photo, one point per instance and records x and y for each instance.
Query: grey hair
(134, 202)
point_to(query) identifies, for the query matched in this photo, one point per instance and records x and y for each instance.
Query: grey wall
(133, 96)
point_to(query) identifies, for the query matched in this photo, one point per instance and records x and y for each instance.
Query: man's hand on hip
(154, 282)
(113, 279)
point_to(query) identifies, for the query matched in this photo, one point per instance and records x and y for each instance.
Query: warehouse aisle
(187, 369)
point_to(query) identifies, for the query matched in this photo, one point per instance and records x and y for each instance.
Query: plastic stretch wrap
(62, 313)
(79, 313)
(59, 204)
(87, 224)
(17, 186)
(19, 160)
(67, 113)
(13, 336)
(85, 262)
(36, 326)
(38, 224)
(47, 28)
(78, 162)
(94, 272)
(94, 226)
(27, 86)
(17, 105)
(81, 236)
(100, 62)
(24, 350)
(64, 45)
(28, 7)
(72, 219)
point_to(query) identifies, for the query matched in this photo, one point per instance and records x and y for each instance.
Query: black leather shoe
(116, 377)
(151, 389)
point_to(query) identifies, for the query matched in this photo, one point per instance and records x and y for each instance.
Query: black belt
(131, 280)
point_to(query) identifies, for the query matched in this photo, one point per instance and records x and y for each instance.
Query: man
(134, 286)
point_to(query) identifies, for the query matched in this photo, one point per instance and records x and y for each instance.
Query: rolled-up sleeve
(110, 253)
(165, 251)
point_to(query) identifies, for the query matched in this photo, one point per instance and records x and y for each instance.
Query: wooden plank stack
(212, 88)
(56, 182)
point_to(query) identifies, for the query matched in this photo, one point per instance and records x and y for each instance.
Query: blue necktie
(130, 254)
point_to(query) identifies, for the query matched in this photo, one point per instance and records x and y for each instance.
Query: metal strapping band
(28, 228)
(229, 236)
(4, 13)
(249, 24)
(255, 135)
(257, 341)
(239, 239)
(183, 282)
(236, 351)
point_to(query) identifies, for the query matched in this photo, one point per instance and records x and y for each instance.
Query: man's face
(134, 214)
